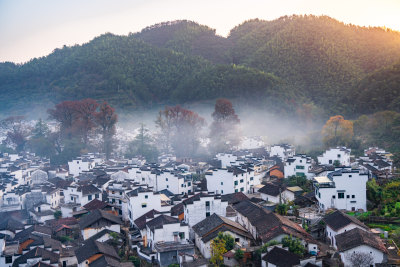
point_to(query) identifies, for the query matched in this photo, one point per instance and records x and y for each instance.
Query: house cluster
(97, 212)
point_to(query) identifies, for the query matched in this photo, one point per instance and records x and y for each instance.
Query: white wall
(197, 211)
(144, 202)
(330, 156)
(89, 232)
(226, 159)
(300, 166)
(332, 233)
(377, 255)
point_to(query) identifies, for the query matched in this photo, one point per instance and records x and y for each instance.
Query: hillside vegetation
(295, 61)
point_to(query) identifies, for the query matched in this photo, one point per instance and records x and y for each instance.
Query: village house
(339, 222)
(81, 194)
(93, 251)
(298, 165)
(79, 165)
(339, 156)
(283, 151)
(208, 229)
(343, 189)
(97, 221)
(360, 243)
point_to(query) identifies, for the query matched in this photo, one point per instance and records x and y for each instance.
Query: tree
(180, 129)
(239, 255)
(40, 142)
(65, 114)
(57, 214)
(337, 132)
(135, 260)
(86, 112)
(360, 259)
(143, 146)
(228, 239)
(106, 119)
(294, 245)
(224, 130)
(17, 132)
(217, 251)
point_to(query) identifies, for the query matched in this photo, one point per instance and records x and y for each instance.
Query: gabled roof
(88, 189)
(357, 237)
(337, 220)
(92, 247)
(159, 221)
(105, 261)
(10, 224)
(177, 209)
(281, 257)
(141, 221)
(234, 197)
(209, 228)
(269, 224)
(95, 204)
(271, 189)
(35, 253)
(96, 215)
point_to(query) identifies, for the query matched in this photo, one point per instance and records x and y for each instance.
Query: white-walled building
(80, 165)
(343, 189)
(232, 179)
(177, 182)
(283, 151)
(82, 194)
(341, 155)
(202, 205)
(226, 159)
(164, 228)
(140, 201)
(97, 221)
(298, 165)
(339, 222)
(363, 243)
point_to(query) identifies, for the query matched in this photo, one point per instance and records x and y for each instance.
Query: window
(348, 196)
(350, 175)
(241, 180)
(182, 235)
(222, 192)
(120, 202)
(251, 178)
(330, 161)
(96, 196)
(89, 197)
(338, 155)
(167, 186)
(166, 179)
(353, 196)
(236, 190)
(340, 195)
(207, 214)
(301, 161)
(333, 196)
(146, 196)
(120, 193)
(144, 205)
(242, 189)
(222, 183)
(189, 183)
(237, 239)
(299, 167)
(72, 198)
(181, 185)
(113, 192)
(236, 182)
(207, 203)
(8, 259)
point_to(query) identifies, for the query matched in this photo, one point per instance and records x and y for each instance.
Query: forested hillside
(298, 60)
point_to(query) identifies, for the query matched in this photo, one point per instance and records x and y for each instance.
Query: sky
(34, 28)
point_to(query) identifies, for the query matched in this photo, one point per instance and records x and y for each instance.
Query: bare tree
(360, 259)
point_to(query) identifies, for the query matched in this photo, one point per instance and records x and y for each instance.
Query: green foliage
(135, 260)
(229, 241)
(64, 239)
(294, 245)
(239, 254)
(217, 250)
(143, 145)
(174, 265)
(300, 181)
(282, 209)
(57, 214)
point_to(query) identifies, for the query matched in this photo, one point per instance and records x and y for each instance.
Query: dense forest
(288, 63)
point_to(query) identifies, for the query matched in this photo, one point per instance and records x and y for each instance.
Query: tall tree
(143, 146)
(17, 132)
(40, 142)
(337, 132)
(86, 112)
(180, 129)
(224, 132)
(106, 119)
(65, 114)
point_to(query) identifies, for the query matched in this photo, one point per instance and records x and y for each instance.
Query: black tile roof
(281, 257)
(141, 221)
(271, 189)
(96, 215)
(92, 247)
(357, 237)
(159, 221)
(338, 219)
(88, 190)
(234, 197)
(35, 253)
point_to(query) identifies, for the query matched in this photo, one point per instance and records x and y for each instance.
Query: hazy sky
(34, 28)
